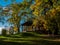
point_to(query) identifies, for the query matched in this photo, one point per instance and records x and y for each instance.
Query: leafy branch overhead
(44, 12)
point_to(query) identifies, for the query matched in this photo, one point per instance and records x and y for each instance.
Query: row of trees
(45, 14)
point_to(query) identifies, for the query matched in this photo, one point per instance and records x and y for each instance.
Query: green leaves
(30, 8)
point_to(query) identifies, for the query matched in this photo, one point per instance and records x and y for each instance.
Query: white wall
(1, 29)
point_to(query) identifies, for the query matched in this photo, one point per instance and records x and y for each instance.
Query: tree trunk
(18, 26)
(56, 29)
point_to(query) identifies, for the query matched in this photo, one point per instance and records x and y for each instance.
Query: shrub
(3, 31)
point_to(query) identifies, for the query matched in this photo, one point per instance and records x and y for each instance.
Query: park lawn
(29, 38)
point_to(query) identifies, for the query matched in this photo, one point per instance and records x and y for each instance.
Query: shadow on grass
(28, 35)
(46, 42)
(12, 43)
(50, 37)
(44, 36)
(22, 35)
(32, 42)
(39, 41)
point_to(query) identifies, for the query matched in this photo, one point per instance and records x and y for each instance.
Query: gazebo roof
(28, 23)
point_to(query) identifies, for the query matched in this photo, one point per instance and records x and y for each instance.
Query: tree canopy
(43, 12)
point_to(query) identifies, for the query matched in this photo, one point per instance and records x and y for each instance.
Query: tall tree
(18, 10)
(47, 9)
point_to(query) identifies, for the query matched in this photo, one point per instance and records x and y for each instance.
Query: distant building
(1, 30)
(9, 30)
(27, 26)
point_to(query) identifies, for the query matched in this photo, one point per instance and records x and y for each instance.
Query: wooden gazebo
(27, 26)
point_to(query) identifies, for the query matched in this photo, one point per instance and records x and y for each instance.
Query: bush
(3, 31)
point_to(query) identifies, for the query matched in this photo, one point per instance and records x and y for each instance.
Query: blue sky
(3, 3)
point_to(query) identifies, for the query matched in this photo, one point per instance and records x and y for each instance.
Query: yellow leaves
(54, 1)
(35, 13)
(34, 22)
(35, 7)
(45, 26)
(58, 8)
(53, 12)
(38, 2)
(15, 28)
(45, 0)
(32, 7)
(27, 3)
(44, 23)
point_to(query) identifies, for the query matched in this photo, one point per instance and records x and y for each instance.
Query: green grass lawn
(29, 38)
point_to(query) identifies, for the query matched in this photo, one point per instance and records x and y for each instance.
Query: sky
(3, 4)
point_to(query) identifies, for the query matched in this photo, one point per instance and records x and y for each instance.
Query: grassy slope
(29, 39)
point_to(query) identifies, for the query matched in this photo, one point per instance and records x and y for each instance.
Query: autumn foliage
(45, 14)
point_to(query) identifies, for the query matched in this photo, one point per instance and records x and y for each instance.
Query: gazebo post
(32, 28)
(26, 28)
(22, 28)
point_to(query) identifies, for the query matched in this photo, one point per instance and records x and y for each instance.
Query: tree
(44, 12)
(47, 9)
(18, 10)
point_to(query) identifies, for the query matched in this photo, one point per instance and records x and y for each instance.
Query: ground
(30, 38)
